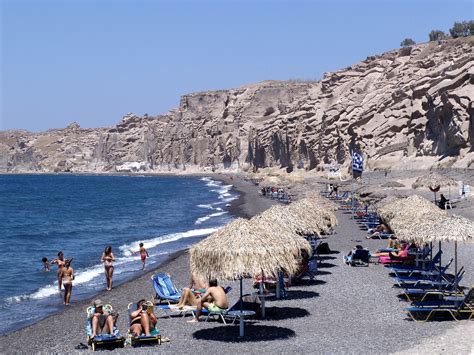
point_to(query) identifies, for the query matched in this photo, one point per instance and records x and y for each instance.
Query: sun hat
(98, 303)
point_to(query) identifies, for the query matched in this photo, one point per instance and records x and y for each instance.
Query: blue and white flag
(357, 163)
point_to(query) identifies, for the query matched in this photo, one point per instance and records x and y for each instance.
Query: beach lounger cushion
(164, 288)
(103, 340)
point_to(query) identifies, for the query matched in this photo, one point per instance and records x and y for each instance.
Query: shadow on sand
(281, 313)
(326, 265)
(321, 272)
(326, 257)
(300, 294)
(253, 333)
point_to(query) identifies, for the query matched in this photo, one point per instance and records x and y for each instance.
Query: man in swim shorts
(101, 321)
(214, 300)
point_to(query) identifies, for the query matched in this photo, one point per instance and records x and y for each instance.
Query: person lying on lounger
(393, 245)
(381, 228)
(394, 254)
(214, 300)
(101, 320)
(143, 320)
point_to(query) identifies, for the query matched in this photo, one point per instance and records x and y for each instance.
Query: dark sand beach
(345, 310)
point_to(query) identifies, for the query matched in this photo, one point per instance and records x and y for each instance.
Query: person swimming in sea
(60, 260)
(108, 258)
(67, 275)
(143, 255)
(45, 262)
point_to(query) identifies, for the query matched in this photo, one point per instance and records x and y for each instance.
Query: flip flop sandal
(81, 346)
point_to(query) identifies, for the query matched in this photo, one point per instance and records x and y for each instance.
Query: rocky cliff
(408, 107)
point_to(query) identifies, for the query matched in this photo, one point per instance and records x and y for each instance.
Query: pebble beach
(346, 309)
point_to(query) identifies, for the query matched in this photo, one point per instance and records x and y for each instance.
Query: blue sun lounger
(358, 257)
(105, 341)
(458, 307)
(165, 289)
(424, 275)
(413, 269)
(434, 283)
(413, 294)
(142, 339)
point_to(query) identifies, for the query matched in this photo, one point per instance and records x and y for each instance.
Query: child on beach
(143, 255)
(45, 264)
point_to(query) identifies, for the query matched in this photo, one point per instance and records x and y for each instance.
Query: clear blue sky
(94, 61)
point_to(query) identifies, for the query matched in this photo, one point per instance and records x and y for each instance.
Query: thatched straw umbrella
(434, 181)
(399, 213)
(313, 210)
(446, 229)
(322, 201)
(413, 207)
(281, 218)
(302, 217)
(279, 221)
(241, 249)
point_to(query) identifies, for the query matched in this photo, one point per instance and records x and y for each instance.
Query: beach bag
(323, 248)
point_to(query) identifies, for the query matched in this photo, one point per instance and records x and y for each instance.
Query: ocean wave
(150, 243)
(210, 206)
(83, 276)
(209, 216)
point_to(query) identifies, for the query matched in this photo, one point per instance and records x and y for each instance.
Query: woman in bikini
(108, 259)
(67, 275)
(143, 321)
(60, 262)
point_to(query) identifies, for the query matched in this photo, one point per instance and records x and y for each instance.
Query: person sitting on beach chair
(393, 246)
(442, 202)
(102, 320)
(142, 320)
(214, 300)
(303, 266)
(190, 296)
(357, 255)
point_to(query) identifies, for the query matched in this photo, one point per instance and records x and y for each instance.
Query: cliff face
(401, 108)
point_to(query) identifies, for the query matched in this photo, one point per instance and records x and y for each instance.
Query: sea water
(41, 215)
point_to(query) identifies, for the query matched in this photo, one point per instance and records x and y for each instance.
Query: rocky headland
(410, 107)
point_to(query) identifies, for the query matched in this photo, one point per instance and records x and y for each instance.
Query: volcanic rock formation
(405, 107)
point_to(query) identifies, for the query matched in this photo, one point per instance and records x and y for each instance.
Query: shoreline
(306, 320)
(242, 207)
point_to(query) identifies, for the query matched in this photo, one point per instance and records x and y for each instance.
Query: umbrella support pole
(278, 289)
(262, 299)
(440, 264)
(455, 263)
(241, 319)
